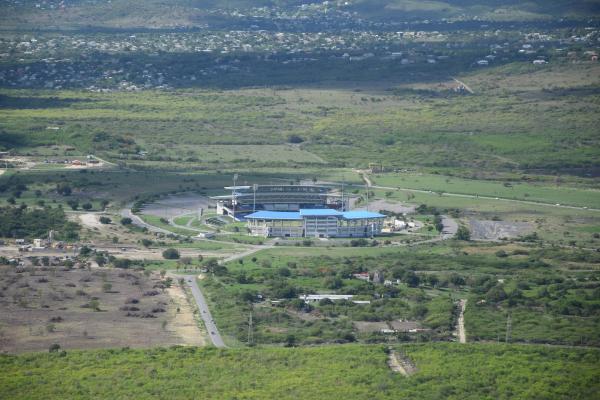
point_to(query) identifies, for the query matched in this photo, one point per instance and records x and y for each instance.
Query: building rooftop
(287, 215)
(361, 214)
(317, 212)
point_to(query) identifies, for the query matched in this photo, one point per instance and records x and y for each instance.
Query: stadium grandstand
(244, 200)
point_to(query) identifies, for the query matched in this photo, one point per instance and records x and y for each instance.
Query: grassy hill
(444, 371)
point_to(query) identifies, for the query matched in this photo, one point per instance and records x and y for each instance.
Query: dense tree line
(22, 222)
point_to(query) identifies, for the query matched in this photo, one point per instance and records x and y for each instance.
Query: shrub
(463, 233)
(54, 348)
(171, 254)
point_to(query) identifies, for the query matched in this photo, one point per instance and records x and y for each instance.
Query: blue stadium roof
(319, 212)
(361, 214)
(316, 212)
(274, 215)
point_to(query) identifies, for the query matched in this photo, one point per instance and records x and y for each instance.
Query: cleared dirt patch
(390, 206)
(401, 364)
(172, 206)
(95, 308)
(184, 323)
(494, 230)
(90, 220)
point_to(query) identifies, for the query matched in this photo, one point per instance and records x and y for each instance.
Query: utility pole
(343, 204)
(250, 331)
(367, 186)
(508, 327)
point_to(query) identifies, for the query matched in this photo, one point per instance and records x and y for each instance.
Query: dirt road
(462, 335)
(400, 364)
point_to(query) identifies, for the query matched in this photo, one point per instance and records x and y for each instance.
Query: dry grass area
(91, 308)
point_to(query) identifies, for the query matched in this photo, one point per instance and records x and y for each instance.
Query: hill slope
(127, 14)
(444, 370)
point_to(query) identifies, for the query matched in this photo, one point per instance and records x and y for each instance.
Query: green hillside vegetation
(556, 130)
(553, 295)
(445, 371)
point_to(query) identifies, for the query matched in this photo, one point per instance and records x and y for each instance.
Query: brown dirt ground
(31, 298)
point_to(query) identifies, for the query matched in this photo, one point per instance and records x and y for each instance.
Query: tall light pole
(235, 176)
(254, 187)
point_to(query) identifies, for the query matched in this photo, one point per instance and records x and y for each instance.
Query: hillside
(126, 14)
(448, 371)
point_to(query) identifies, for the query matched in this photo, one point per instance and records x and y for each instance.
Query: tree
(87, 206)
(54, 348)
(463, 233)
(433, 280)
(73, 203)
(63, 189)
(495, 294)
(295, 139)
(123, 263)
(126, 221)
(411, 279)
(85, 251)
(106, 287)
(104, 220)
(457, 280)
(290, 341)
(171, 254)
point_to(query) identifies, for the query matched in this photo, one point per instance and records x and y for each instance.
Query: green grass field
(508, 190)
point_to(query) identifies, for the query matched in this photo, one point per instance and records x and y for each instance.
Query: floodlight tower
(235, 177)
(254, 187)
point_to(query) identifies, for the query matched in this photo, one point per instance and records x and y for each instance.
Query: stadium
(297, 211)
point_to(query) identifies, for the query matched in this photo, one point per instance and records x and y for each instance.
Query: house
(362, 276)
(315, 298)
(539, 62)
(483, 62)
(39, 243)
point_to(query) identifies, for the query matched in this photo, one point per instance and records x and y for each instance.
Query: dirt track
(462, 335)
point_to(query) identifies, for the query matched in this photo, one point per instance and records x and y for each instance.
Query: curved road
(126, 212)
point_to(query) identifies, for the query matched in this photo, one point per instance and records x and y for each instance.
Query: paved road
(126, 212)
(209, 322)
